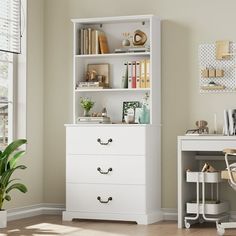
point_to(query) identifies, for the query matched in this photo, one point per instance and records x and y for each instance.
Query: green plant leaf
(21, 187)
(7, 152)
(14, 159)
(13, 146)
(7, 197)
(3, 164)
(4, 181)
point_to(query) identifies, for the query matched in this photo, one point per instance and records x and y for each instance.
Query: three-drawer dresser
(112, 173)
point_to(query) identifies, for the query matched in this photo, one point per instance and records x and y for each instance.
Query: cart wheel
(187, 225)
(220, 231)
(201, 221)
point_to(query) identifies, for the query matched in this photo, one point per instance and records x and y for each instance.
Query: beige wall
(32, 176)
(186, 23)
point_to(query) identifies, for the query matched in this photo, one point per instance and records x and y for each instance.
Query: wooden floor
(52, 225)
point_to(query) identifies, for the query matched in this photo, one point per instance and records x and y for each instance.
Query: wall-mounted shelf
(207, 59)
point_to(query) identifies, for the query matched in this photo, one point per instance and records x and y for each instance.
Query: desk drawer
(125, 198)
(207, 145)
(105, 140)
(116, 170)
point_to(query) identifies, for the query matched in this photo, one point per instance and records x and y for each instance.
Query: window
(12, 71)
(10, 25)
(6, 97)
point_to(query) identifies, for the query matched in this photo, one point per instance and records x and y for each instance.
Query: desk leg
(186, 191)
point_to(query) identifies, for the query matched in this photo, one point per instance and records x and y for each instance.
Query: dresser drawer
(116, 170)
(95, 198)
(105, 140)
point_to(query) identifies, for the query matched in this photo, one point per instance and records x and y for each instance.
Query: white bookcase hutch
(128, 184)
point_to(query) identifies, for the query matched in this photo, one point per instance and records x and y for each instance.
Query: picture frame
(99, 73)
(127, 105)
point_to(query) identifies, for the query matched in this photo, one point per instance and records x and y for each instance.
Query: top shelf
(114, 19)
(126, 54)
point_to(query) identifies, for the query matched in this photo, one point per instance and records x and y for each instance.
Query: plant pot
(3, 219)
(86, 112)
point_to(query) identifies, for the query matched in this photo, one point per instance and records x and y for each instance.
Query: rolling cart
(205, 210)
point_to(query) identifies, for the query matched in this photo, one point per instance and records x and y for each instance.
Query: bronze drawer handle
(100, 141)
(101, 201)
(104, 172)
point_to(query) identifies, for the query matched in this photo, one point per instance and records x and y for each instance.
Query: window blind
(10, 26)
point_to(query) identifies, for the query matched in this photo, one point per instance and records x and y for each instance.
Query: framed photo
(98, 73)
(127, 106)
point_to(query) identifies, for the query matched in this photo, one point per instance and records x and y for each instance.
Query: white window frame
(17, 89)
(20, 78)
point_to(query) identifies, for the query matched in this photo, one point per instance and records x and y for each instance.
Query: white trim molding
(35, 210)
(57, 209)
(170, 214)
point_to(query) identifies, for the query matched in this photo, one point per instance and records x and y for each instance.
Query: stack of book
(92, 41)
(133, 49)
(230, 122)
(93, 120)
(90, 85)
(136, 74)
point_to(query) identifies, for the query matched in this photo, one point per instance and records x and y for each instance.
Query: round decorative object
(139, 38)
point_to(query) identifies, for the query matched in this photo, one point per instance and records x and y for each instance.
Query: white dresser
(113, 173)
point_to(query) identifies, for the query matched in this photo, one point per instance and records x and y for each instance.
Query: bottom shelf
(210, 208)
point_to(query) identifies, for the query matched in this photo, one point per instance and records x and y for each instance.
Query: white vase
(3, 219)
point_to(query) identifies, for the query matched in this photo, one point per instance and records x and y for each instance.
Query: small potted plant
(87, 105)
(8, 165)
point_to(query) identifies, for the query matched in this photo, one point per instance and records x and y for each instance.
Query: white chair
(229, 174)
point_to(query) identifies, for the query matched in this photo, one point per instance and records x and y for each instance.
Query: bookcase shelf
(126, 54)
(112, 98)
(113, 90)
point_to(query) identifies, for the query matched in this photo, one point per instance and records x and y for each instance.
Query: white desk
(187, 148)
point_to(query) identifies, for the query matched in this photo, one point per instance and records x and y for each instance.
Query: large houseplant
(8, 165)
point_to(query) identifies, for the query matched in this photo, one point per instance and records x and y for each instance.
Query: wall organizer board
(211, 81)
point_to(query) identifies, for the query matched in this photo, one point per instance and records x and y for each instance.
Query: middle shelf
(114, 90)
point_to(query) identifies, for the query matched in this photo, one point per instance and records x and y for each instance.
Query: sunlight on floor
(52, 229)
(55, 229)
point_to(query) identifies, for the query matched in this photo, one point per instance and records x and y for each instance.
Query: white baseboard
(57, 209)
(34, 210)
(170, 214)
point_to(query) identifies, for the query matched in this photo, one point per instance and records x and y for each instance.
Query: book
(147, 78)
(232, 121)
(226, 123)
(81, 37)
(89, 41)
(91, 83)
(93, 120)
(124, 83)
(103, 43)
(85, 47)
(142, 74)
(137, 74)
(95, 42)
(90, 87)
(129, 74)
(133, 74)
(139, 49)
